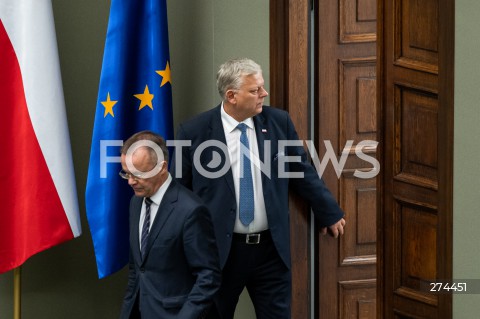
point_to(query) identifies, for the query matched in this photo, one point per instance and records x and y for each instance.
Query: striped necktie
(146, 226)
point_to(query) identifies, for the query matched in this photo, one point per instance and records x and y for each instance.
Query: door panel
(346, 110)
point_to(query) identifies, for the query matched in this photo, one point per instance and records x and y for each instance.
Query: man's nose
(263, 92)
(131, 180)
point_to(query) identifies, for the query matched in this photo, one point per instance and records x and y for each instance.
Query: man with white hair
(249, 205)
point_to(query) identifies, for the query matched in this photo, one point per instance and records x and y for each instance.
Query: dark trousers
(257, 267)
(135, 314)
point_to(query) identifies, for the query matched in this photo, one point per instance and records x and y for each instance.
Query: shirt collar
(230, 124)
(157, 197)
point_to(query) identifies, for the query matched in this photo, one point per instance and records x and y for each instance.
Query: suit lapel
(166, 208)
(217, 133)
(134, 228)
(261, 132)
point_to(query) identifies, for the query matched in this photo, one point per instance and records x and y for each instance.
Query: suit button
(229, 235)
(142, 269)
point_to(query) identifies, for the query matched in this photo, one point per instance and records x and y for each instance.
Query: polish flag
(38, 197)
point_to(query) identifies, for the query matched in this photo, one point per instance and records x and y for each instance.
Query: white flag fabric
(37, 183)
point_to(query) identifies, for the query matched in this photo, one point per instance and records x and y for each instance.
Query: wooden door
(413, 121)
(346, 109)
(344, 67)
(416, 95)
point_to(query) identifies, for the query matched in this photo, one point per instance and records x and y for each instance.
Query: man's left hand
(334, 230)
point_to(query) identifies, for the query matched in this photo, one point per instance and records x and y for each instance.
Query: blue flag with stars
(135, 94)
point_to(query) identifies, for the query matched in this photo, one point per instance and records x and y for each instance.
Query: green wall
(466, 219)
(62, 282)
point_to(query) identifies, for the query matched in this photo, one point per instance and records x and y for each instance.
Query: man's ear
(164, 167)
(230, 95)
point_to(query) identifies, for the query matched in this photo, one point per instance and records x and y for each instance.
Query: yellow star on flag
(145, 98)
(165, 74)
(108, 104)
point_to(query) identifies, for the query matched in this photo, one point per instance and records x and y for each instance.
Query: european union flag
(135, 94)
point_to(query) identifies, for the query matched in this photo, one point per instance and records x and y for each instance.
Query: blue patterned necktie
(246, 205)
(146, 226)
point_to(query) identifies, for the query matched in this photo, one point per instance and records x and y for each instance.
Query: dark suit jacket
(219, 193)
(180, 272)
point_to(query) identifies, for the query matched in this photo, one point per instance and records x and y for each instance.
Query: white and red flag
(38, 198)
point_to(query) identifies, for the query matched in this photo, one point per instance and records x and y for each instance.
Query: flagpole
(17, 292)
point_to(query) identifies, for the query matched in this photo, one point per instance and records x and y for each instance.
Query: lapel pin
(264, 130)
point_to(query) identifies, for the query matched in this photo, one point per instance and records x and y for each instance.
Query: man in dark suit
(174, 267)
(241, 158)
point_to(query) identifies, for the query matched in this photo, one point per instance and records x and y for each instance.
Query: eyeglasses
(127, 176)
(143, 175)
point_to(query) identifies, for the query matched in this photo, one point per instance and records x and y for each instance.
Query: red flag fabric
(38, 203)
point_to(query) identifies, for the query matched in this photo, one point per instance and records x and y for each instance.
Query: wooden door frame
(289, 90)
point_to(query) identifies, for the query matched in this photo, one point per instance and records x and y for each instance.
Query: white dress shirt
(156, 200)
(232, 135)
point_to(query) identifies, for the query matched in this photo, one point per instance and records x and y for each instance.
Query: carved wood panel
(357, 21)
(357, 299)
(415, 32)
(357, 100)
(358, 198)
(416, 123)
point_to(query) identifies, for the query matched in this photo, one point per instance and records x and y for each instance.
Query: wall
(62, 282)
(204, 34)
(466, 235)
